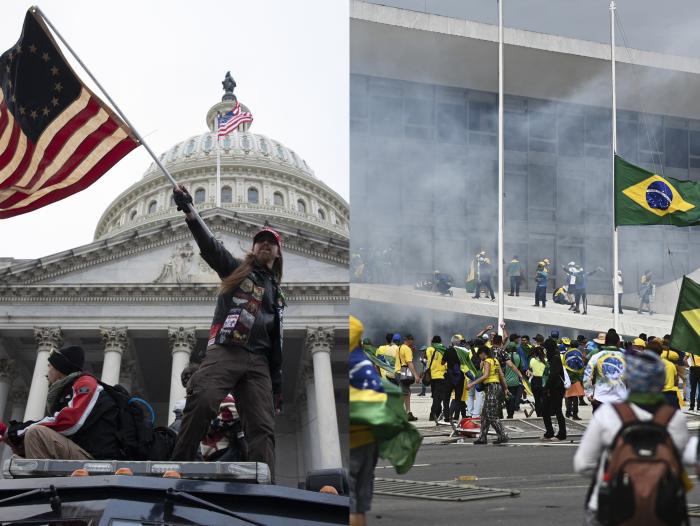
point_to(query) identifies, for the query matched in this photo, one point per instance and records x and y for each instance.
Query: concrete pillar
(182, 343)
(319, 343)
(312, 437)
(7, 374)
(48, 339)
(116, 343)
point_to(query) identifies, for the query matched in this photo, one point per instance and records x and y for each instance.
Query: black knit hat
(68, 359)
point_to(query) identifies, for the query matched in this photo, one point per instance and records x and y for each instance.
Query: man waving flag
(644, 198)
(56, 136)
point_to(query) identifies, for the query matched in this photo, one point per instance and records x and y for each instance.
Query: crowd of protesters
(491, 376)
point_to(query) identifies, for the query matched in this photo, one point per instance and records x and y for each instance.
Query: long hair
(230, 282)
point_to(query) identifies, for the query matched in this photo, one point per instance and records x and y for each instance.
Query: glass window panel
(301, 206)
(226, 194)
(199, 195)
(253, 195)
(676, 146)
(278, 199)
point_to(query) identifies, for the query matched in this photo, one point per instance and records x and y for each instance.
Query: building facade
(424, 156)
(140, 299)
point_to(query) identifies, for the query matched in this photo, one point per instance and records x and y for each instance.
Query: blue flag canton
(36, 81)
(659, 195)
(363, 375)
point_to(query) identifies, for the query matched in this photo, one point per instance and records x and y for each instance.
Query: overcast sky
(163, 63)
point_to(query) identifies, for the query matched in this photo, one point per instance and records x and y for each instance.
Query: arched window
(226, 194)
(253, 195)
(132, 215)
(199, 195)
(227, 142)
(321, 214)
(301, 206)
(189, 149)
(278, 199)
(152, 207)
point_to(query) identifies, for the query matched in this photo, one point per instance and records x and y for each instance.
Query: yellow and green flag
(645, 198)
(685, 335)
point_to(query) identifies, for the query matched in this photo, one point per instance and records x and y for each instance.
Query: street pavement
(550, 493)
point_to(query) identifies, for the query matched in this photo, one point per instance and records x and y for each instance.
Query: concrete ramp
(598, 319)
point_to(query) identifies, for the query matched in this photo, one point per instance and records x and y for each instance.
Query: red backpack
(643, 478)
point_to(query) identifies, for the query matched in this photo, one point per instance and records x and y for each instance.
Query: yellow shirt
(670, 384)
(437, 369)
(493, 376)
(671, 356)
(404, 357)
(537, 367)
(694, 360)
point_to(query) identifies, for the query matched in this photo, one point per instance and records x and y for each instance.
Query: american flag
(56, 136)
(233, 119)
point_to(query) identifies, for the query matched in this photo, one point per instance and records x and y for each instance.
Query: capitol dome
(259, 177)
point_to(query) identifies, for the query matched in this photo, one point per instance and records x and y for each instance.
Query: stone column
(47, 339)
(182, 343)
(319, 343)
(116, 343)
(7, 374)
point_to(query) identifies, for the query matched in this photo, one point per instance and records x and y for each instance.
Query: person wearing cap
(541, 277)
(82, 421)
(645, 379)
(484, 273)
(244, 351)
(404, 358)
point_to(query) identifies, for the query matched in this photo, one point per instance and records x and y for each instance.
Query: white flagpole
(501, 307)
(218, 165)
(138, 136)
(616, 262)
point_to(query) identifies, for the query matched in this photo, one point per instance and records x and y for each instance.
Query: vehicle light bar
(251, 472)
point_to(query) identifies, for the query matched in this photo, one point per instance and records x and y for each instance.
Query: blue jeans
(541, 295)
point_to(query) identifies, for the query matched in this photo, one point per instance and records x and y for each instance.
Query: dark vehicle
(43, 492)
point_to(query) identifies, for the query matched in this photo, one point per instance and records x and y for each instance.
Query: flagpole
(616, 262)
(138, 136)
(218, 165)
(501, 309)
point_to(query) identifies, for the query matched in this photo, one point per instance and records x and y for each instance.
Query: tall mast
(499, 256)
(616, 262)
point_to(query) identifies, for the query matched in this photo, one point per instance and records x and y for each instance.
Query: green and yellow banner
(645, 198)
(685, 335)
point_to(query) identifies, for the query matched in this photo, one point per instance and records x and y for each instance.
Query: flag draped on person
(645, 198)
(685, 333)
(56, 136)
(231, 120)
(471, 277)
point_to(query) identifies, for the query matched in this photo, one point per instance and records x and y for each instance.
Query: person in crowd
(423, 367)
(536, 369)
(603, 378)
(670, 387)
(574, 362)
(694, 377)
(494, 385)
(438, 387)
(646, 291)
(454, 375)
(404, 358)
(475, 398)
(581, 286)
(82, 421)
(553, 392)
(514, 270)
(513, 376)
(244, 351)
(583, 346)
(561, 296)
(485, 271)
(389, 356)
(179, 405)
(383, 352)
(645, 377)
(541, 277)
(571, 282)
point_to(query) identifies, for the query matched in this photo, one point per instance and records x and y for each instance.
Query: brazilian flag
(644, 198)
(685, 335)
(471, 277)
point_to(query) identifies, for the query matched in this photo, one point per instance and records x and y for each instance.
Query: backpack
(138, 439)
(643, 473)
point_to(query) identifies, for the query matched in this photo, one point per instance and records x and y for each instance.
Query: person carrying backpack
(632, 451)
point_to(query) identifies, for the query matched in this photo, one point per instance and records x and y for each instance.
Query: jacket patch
(84, 390)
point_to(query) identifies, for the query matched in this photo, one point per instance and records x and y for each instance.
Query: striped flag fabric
(231, 120)
(56, 136)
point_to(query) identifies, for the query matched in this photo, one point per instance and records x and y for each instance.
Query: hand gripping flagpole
(35, 9)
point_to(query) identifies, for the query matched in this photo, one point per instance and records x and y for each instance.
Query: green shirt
(512, 378)
(514, 268)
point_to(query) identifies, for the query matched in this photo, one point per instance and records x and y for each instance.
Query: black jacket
(251, 315)
(85, 414)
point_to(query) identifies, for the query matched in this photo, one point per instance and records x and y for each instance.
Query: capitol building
(139, 299)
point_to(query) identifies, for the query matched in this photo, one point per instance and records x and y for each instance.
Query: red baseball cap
(273, 233)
